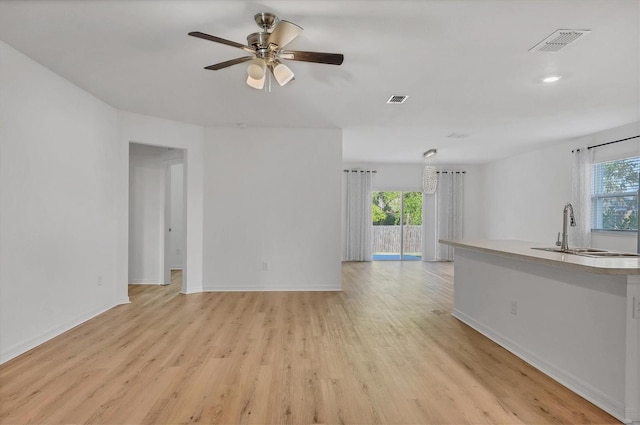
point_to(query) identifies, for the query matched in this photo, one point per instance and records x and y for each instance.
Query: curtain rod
(608, 143)
(452, 172)
(361, 171)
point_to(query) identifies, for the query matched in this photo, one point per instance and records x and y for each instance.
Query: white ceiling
(465, 65)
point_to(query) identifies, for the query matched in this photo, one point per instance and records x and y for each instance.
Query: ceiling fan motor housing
(266, 20)
(260, 40)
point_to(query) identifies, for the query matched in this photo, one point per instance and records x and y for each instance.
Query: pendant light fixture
(429, 174)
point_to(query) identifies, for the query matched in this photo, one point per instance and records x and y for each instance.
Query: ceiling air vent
(558, 40)
(397, 98)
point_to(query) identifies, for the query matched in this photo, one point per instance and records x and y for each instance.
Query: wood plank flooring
(176, 278)
(383, 351)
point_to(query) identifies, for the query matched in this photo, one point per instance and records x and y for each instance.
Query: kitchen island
(573, 317)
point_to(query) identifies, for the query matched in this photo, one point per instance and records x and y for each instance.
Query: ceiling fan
(266, 49)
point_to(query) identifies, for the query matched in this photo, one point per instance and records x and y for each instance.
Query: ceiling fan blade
(221, 41)
(284, 33)
(317, 57)
(225, 64)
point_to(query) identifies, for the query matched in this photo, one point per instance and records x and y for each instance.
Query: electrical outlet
(514, 307)
(265, 265)
(99, 280)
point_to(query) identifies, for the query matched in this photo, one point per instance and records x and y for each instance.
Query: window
(614, 195)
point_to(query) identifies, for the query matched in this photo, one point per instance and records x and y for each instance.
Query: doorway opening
(174, 222)
(397, 226)
(156, 216)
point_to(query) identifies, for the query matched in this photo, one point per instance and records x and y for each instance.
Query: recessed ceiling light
(551, 78)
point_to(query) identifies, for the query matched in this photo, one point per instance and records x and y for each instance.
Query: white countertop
(523, 250)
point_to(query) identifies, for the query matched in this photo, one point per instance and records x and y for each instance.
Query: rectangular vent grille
(397, 98)
(558, 40)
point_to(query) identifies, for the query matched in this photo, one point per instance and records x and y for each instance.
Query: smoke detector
(559, 40)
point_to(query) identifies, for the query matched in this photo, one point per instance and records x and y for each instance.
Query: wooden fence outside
(387, 239)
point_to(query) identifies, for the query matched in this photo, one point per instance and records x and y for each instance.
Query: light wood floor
(385, 350)
(176, 278)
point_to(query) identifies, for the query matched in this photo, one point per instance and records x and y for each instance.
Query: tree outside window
(614, 201)
(386, 208)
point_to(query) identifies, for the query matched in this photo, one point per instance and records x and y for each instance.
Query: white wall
(524, 195)
(176, 237)
(58, 156)
(159, 132)
(146, 224)
(272, 195)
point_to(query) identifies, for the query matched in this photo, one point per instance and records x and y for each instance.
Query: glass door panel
(386, 213)
(411, 226)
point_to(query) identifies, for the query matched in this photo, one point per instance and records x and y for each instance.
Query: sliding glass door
(397, 225)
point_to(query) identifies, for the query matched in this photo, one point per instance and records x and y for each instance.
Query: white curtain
(450, 207)
(357, 227)
(580, 236)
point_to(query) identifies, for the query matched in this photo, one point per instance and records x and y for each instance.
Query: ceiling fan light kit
(256, 68)
(256, 83)
(266, 48)
(282, 73)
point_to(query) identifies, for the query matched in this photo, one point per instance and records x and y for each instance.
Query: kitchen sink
(591, 252)
(573, 250)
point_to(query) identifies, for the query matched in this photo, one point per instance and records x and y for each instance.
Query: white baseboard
(190, 291)
(121, 301)
(31, 343)
(575, 384)
(143, 282)
(632, 413)
(258, 288)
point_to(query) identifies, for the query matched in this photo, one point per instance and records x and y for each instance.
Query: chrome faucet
(566, 214)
